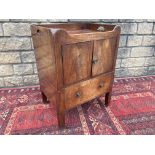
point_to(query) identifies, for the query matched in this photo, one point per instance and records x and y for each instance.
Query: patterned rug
(132, 111)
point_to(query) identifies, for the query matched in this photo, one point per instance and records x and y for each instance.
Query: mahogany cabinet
(75, 62)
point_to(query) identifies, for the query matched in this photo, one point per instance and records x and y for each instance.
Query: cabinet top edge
(72, 28)
(61, 25)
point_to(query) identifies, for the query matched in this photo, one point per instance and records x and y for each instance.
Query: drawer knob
(78, 94)
(101, 85)
(94, 61)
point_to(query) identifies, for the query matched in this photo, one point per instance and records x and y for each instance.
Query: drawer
(86, 90)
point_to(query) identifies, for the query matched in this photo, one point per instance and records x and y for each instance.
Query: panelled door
(103, 56)
(86, 59)
(77, 59)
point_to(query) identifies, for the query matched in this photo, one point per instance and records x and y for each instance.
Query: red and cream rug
(132, 111)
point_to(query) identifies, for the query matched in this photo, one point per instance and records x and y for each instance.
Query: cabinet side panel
(45, 59)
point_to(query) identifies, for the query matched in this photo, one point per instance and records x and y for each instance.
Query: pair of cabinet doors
(87, 59)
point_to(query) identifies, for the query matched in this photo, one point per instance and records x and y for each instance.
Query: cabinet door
(103, 56)
(77, 60)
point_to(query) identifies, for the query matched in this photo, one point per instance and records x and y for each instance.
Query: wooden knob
(101, 85)
(78, 94)
(94, 61)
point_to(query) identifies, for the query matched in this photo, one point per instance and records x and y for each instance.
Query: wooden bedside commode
(75, 62)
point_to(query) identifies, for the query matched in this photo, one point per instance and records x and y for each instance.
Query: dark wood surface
(103, 56)
(45, 58)
(75, 62)
(86, 90)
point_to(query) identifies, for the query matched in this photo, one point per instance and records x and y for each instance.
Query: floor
(131, 111)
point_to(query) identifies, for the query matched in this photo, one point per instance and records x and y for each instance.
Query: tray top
(78, 28)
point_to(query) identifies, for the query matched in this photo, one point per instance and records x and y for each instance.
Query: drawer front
(103, 56)
(87, 90)
(76, 62)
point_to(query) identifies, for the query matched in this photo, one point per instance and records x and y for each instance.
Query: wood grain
(87, 90)
(104, 52)
(77, 61)
(44, 53)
